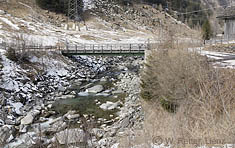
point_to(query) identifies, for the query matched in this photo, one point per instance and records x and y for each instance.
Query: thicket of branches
(188, 96)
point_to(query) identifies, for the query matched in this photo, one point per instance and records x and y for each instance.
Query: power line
(207, 9)
(182, 13)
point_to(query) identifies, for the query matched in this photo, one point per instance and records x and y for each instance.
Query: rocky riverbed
(81, 101)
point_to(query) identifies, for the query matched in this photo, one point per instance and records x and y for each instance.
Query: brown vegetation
(185, 97)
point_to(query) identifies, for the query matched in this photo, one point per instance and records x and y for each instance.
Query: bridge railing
(81, 48)
(105, 48)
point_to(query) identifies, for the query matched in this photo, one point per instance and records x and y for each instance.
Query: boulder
(61, 88)
(103, 79)
(23, 128)
(95, 89)
(116, 145)
(117, 92)
(109, 105)
(70, 136)
(2, 12)
(28, 119)
(5, 134)
(66, 96)
(57, 126)
(98, 132)
(71, 115)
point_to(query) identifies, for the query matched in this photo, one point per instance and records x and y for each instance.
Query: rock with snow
(109, 105)
(103, 79)
(117, 92)
(70, 136)
(5, 134)
(71, 115)
(103, 94)
(23, 128)
(83, 94)
(2, 12)
(115, 145)
(17, 107)
(95, 89)
(98, 132)
(66, 96)
(106, 142)
(61, 88)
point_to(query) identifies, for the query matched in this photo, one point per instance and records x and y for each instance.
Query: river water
(89, 103)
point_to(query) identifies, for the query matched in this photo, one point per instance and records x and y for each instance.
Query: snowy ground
(96, 31)
(225, 60)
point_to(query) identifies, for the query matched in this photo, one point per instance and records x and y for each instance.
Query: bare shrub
(17, 50)
(187, 98)
(16, 55)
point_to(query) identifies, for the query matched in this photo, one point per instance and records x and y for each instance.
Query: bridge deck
(106, 49)
(87, 49)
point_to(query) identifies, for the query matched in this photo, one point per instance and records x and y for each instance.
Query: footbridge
(106, 49)
(127, 49)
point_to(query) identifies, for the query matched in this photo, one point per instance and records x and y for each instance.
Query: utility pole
(73, 9)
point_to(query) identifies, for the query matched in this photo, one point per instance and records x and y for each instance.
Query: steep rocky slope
(104, 23)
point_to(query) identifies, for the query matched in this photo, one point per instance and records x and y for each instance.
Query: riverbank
(28, 117)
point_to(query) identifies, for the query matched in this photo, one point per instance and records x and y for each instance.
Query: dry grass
(229, 48)
(186, 98)
(16, 9)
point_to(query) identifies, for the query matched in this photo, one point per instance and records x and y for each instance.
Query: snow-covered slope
(95, 31)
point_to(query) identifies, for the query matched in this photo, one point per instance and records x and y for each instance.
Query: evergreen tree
(206, 30)
(53, 5)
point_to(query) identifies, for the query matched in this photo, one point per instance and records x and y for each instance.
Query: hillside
(105, 23)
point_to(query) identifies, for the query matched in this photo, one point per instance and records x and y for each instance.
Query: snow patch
(17, 107)
(88, 4)
(9, 72)
(14, 26)
(226, 63)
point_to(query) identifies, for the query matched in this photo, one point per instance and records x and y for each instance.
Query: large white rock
(71, 115)
(109, 105)
(2, 12)
(28, 119)
(70, 136)
(95, 89)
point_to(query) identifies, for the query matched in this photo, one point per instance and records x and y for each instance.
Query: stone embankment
(27, 115)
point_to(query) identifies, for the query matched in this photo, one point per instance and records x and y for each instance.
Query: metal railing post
(93, 48)
(111, 48)
(130, 48)
(102, 48)
(84, 49)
